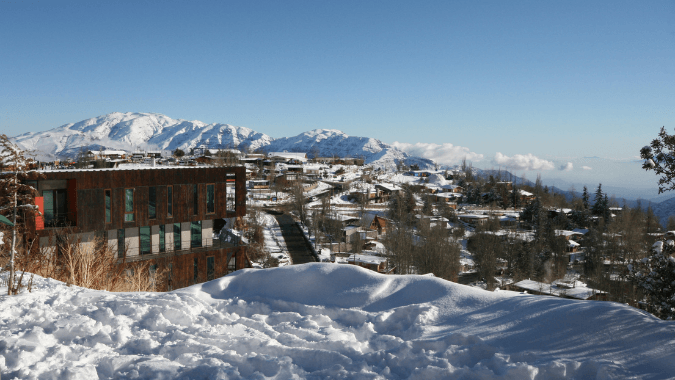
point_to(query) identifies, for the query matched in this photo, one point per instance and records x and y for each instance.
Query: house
(563, 289)
(374, 263)
(372, 221)
(385, 191)
(473, 219)
(163, 215)
(288, 157)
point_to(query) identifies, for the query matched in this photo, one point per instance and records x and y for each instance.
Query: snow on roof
(388, 186)
(325, 320)
(559, 289)
(367, 259)
(525, 193)
(566, 233)
(289, 155)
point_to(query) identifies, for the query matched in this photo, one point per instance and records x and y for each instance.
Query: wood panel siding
(87, 199)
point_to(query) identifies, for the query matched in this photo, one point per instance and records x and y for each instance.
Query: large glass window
(108, 207)
(195, 270)
(146, 243)
(152, 202)
(196, 234)
(169, 201)
(210, 198)
(162, 245)
(129, 205)
(121, 245)
(176, 237)
(54, 206)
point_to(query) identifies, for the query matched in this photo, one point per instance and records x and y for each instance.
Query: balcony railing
(207, 245)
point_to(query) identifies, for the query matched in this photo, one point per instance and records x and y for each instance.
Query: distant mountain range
(151, 131)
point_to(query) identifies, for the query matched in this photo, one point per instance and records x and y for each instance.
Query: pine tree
(598, 209)
(585, 199)
(655, 275)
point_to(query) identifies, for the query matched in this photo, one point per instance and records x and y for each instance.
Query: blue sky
(558, 80)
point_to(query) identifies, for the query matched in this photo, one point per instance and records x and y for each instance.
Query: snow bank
(325, 321)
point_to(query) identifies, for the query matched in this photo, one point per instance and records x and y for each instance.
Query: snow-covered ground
(325, 321)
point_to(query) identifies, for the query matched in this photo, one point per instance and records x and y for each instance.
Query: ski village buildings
(181, 213)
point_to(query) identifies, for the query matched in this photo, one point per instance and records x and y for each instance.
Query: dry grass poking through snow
(93, 265)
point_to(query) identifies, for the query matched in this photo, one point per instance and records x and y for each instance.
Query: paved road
(295, 242)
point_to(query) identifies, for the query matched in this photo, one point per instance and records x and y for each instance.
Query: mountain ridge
(152, 131)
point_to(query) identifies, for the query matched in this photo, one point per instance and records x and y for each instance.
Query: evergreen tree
(655, 275)
(598, 208)
(585, 199)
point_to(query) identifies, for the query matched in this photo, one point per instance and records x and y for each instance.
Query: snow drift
(325, 321)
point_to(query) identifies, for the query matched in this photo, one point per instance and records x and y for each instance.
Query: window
(195, 198)
(152, 202)
(169, 201)
(210, 268)
(146, 246)
(176, 237)
(162, 244)
(230, 192)
(54, 206)
(210, 198)
(195, 270)
(232, 264)
(121, 245)
(170, 278)
(196, 234)
(129, 205)
(108, 205)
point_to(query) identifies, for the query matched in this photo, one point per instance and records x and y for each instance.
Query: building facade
(167, 215)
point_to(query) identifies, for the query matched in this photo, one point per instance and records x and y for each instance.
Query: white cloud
(445, 153)
(587, 168)
(522, 162)
(567, 167)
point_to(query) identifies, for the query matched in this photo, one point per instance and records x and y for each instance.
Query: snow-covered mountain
(332, 142)
(151, 131)
(133, 131)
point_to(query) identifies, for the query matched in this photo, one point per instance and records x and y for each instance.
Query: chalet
(473, 219)
(386, 190)
(372, 221)
(107, 154)
(374, 263)
(290, 157)
(163, 215)
(564, 289)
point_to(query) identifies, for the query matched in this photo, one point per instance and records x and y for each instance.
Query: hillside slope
(326, 321)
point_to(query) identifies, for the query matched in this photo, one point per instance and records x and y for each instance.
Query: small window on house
(162, 244)
(146, 247)
(195, 199)
(196, 234)
(210, 198)
(169, 282)
(210, 268)
(169, 201)
(121, 245)
(108, 207)
(152, 202)
(129, 205)
(176, 237)
(232, 264)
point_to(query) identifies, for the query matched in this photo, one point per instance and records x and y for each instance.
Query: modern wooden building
(163, 214)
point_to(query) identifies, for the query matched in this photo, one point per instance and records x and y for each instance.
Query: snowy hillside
(326, 321)
(331, 142)
(150, 131)
(132, 131)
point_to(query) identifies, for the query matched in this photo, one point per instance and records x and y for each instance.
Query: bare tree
(15, 195)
